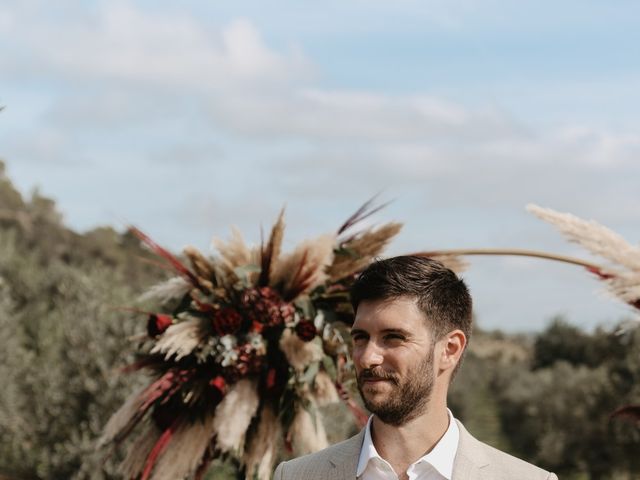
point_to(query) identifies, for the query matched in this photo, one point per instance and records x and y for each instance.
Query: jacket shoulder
(507, 467)
(318, 464)
(492, 463)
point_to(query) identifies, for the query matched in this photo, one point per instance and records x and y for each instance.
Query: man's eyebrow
(401, 331)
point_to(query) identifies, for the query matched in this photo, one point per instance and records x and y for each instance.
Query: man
(412, 324)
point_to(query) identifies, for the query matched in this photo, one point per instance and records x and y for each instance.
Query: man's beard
(408, 397)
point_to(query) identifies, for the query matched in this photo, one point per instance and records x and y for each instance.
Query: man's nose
(370, 355)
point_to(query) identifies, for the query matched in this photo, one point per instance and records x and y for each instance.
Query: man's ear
(453, 344)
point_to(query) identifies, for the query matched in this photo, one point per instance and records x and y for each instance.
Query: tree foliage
(557, 413)
(62, 337)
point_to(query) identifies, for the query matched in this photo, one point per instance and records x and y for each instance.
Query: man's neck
(403, 445)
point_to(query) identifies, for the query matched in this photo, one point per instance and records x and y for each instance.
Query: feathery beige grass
(180, 339)
(233, 416)
(361, 249)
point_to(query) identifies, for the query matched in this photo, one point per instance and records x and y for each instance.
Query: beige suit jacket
(474, 461)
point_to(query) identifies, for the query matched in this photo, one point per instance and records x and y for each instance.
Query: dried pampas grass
(271, 252)
(233, 416)
(171, 289)
(307, 431)
(357, 252)
(623, 281)
(137, 454)
(124, 419)
(188, 446)
(305, 268)
(234, 254)
(596, 238)
(324, 389)
(202, 267)
(262, 448)
(299, 353)
(180, 339)
(626, 286)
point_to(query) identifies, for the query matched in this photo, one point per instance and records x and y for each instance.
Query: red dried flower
(219, 384)
(226, 321)
(248, 361)
(158, 323)
(264, 305)
(271, 378)
(306, 330)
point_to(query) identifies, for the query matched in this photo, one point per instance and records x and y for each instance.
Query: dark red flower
(226, 321)
(264, 305)
(306, 330)
(158, 323)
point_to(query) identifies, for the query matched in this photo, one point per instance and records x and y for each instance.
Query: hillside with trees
(545, 397)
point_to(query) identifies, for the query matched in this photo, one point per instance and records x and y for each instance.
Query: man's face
(393, 352)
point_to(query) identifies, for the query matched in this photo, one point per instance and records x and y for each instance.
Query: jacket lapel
(470, 457)
(344, 461)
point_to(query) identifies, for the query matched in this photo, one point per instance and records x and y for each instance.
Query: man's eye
(394, 337)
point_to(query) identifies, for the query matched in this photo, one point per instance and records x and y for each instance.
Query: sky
(185, 118)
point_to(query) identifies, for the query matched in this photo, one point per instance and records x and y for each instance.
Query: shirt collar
(440, 457)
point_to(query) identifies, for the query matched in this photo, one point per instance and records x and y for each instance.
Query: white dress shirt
(435, 465)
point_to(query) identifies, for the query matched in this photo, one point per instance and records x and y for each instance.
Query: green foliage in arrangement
(545, 398)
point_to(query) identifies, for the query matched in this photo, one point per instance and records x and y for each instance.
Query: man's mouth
(368, 377)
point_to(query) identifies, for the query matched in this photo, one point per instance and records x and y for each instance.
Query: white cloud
(602, 149)
(124, 43)
(321, 114)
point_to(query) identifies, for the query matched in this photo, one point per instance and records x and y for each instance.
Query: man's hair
(441, 296)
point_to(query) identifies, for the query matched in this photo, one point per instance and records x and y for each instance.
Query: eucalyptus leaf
(310, 373)
(330, 368)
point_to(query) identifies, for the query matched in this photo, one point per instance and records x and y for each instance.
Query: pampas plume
(171, 289)
(124, 419)
(357, 252)
(600, 240)
(271, 253)
(138, 452)
(233, 416)
(299, 353)
(234, 254)
(307, 431)
(626, 286)
(324, 389)
(201, 266)
(305, 268)
(596, 238)
(179, 339)
(261, 451)
(188, 446)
